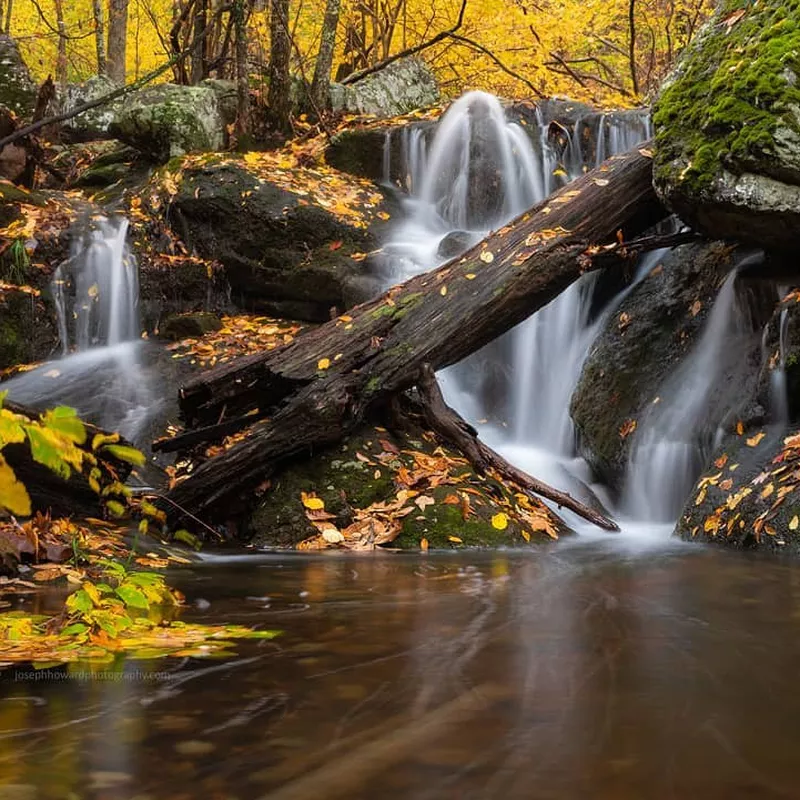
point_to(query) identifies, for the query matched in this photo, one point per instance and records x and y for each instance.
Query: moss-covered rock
(448, 504)
(27, 329)
(403, 86)
(166, 121)
(728, 126)
(17, 89)
(641, 343)
(95, 123)
(749, 496)
(283, 254)
(185, 326)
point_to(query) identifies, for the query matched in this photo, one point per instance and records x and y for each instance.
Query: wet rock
(194, 325)
(727, 157)
(748, 496)
(642, 341)
(27, 329)
(283, 255)
(456, 243)
(165, 121)
(405, 85)
(17, 89)
(362, 471)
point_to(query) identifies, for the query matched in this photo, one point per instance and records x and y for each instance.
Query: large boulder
(431, 492)
(17, 89)
(727, 126)
(92, 124)
(293, 241)
(165, 121)
(640, 344)
(403, 86)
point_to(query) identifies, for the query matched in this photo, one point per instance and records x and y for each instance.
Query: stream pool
(613, 667)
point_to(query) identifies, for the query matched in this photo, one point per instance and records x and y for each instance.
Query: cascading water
(477, 173)
(96, 293)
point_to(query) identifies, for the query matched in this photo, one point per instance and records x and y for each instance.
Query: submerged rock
(449, 505)
(641, 343)
(405, 85)
(727, 123)
(165, 121)
(17, 89)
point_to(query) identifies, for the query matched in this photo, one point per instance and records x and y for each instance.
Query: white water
(96, 292)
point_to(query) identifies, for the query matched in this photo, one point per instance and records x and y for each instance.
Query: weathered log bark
(317, 388)
(48, 491)
(452, 427)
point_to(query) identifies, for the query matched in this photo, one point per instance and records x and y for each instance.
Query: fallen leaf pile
(240, 335)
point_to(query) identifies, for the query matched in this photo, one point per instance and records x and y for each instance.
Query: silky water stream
(606, 666)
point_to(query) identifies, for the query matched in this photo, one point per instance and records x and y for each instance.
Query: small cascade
(675, 437)
(101, 373)
(779, 400)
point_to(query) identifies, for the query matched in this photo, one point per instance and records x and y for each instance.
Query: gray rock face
(727, 123)
(401, 87)
(167, 120)
(95, 123)
(642, 342)
(274, 245)
(17, 89)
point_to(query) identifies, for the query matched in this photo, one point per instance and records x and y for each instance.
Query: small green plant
(14, 263)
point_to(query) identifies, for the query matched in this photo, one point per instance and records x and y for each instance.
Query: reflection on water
(590, 671)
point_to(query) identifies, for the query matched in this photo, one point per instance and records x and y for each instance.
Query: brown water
(589, 671)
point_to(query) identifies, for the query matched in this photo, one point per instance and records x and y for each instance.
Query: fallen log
(313, 391)
(452, 427)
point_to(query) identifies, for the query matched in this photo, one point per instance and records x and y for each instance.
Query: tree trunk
(117, 39)
(315, 390)
(7, 22)
(199, 58)
(242, 71)
(61, 56)
(279, 96)
(321, 83)
(100, 36)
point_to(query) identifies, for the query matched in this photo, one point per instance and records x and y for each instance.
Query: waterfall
(477, 172)
(101, 372)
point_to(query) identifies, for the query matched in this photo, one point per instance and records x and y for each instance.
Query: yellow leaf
(383, 215)
(423, 545)
(739, 427)
(500, 521)
(443, 291)
(323, 363)
(311, 502)
(455, 539)
(470, 276)
(93, 291)
(754, 440)
(525, 535)
(332, 536)
(13, 494)
(487, 256)
(795, 521)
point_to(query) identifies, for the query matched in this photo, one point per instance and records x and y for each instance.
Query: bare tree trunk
(100, 36)
(199, 59)
(632, 44)
(9, 9)
(117, 39)
(242, 70)
(279, 96)
(61, 57)
(321, 84)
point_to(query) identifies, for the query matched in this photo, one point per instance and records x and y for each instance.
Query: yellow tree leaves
(13, 494)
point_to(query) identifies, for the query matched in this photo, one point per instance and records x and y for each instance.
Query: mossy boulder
(165, 121)
(93, 124)
(749, 495)
(405, 85)
(283, 254)
(27, 329)
(193, 325)
(17, 89)
(641, 343)
(727, 126)
(452, 507)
